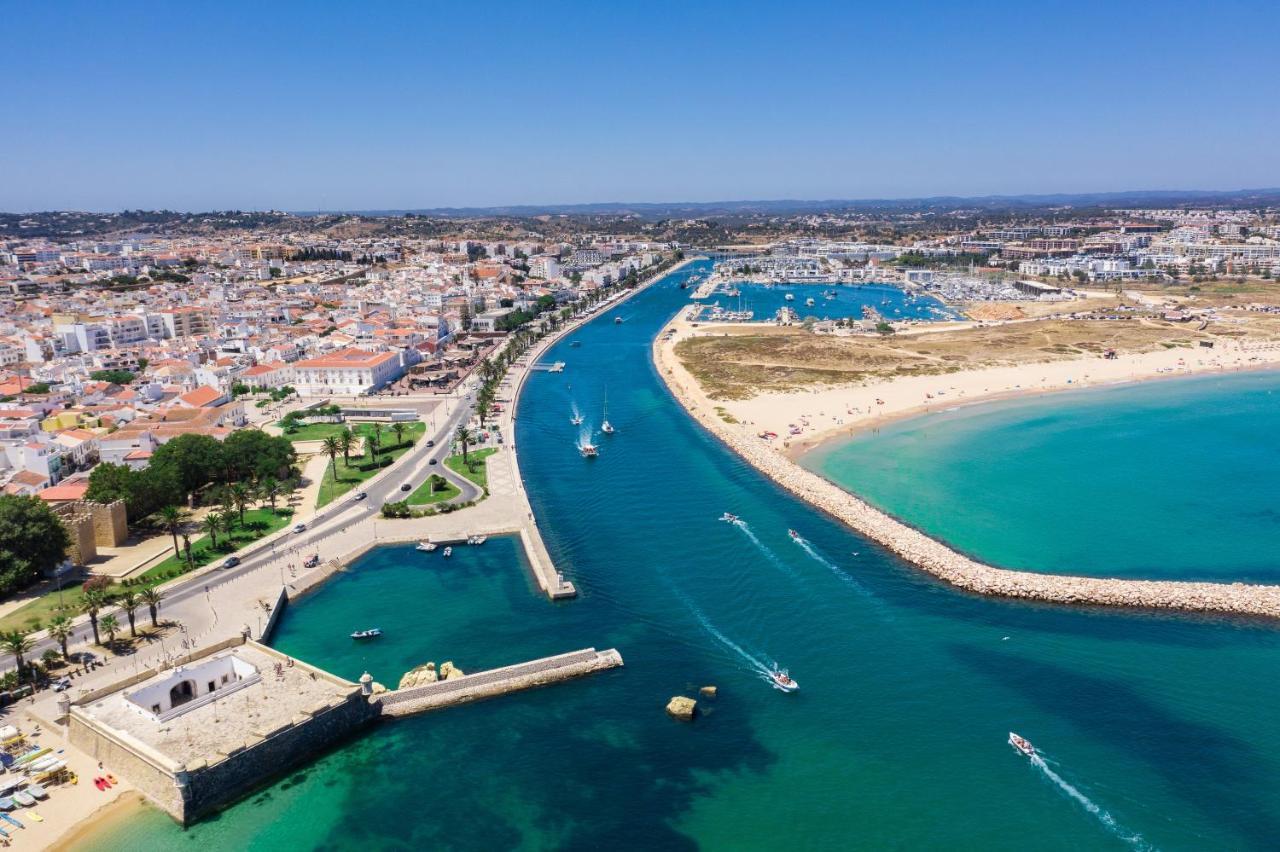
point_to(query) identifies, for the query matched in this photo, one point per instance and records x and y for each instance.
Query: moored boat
(24, 798)
(1021, 744)
(426, 546)
(477, 539)
(448, 551)
(371, 633)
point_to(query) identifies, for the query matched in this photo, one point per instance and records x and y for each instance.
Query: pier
(494, 682)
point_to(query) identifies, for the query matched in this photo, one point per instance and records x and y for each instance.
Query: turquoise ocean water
(1158, 731)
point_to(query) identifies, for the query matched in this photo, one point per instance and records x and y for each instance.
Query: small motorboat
(1022, 745)
(782, 680)
(576, 420)
(7, 804)
(588, 450)
(426, 546)
(37, 791)
(23, 798)
(795, 536)
(371, 633)
(477, 539)
(606, 427)
(617, 320)
(575, 344)
(448, 551)
(729, 518)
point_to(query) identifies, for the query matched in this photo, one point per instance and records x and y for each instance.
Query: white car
(300, 528)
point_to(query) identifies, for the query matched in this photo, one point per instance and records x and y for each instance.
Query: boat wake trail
(762, 547)
(1107, 820)
(835, 569)
(753, 662)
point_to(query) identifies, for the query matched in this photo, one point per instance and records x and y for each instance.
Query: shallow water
(893, 303)
(896, 739)
(1171, 479)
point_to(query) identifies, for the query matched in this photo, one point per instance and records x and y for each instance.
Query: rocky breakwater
(940, 560)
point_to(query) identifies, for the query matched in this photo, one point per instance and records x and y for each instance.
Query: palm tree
(398, 428)
(212, 524)
(240, 498)
(346, 443)
(377, 438)
(173, 517)
(151, 597)
(129, 603)
(17, 644)
(465, 437)
(60, 629)
(111, 625)
(186, 551)
(94, 600)
(270, 489)
(331, 447)
(227, 520)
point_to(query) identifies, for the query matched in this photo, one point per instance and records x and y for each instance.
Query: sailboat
(606, 427)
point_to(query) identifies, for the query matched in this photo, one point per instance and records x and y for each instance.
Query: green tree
(129, 603)
(17, 644)
(143, 491)
(253, 454)
(60, 630)
(465, 437)
(173, 517)
(115, 377)
(399, 429)
(241, 497)
(196, 460)
(151, 597)
(212, 525)
(110, 624)
(270, 489)
(32, 541)
(331, 447)
(346, 443)
(94, 601)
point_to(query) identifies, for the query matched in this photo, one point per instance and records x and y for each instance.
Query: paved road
(413, 467)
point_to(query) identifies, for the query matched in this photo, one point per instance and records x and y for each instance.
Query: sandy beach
(803, 419)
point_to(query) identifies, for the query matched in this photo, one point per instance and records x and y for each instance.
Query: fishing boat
(371, 633)
(783, 681)
(588, 450)
(795, 536)
(426, 546)
(729, 518)
(448, 551)
(1022, 744)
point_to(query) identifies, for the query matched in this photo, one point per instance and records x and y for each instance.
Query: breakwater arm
(938, 559)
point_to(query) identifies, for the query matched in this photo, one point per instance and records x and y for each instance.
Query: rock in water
(682, 708)
(419, 676)
(708, 691)
(448, 671)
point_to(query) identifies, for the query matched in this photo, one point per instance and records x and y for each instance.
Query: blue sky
(401, 105)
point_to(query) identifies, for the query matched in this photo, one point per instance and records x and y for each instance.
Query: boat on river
(371, 633)
(783, 681)
(729, 518)
(1021, 744)
(426, 546)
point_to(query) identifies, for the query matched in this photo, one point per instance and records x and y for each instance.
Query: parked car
(62, 684)
(231, 562)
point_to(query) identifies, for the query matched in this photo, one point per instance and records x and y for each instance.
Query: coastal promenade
(933, 556)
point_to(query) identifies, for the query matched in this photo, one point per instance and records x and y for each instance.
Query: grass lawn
(474, 468)
(424, 495)
(259, 523)
(349, 477)
(315, 431)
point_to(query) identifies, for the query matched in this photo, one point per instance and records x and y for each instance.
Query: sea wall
(946, 564)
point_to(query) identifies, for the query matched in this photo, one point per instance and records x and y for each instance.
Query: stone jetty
(948, 565)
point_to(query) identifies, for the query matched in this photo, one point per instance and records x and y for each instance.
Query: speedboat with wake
(588, 450)
(781, 680)
(729, 518)
(1021, 744)
(576, 420)
(795, 536)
